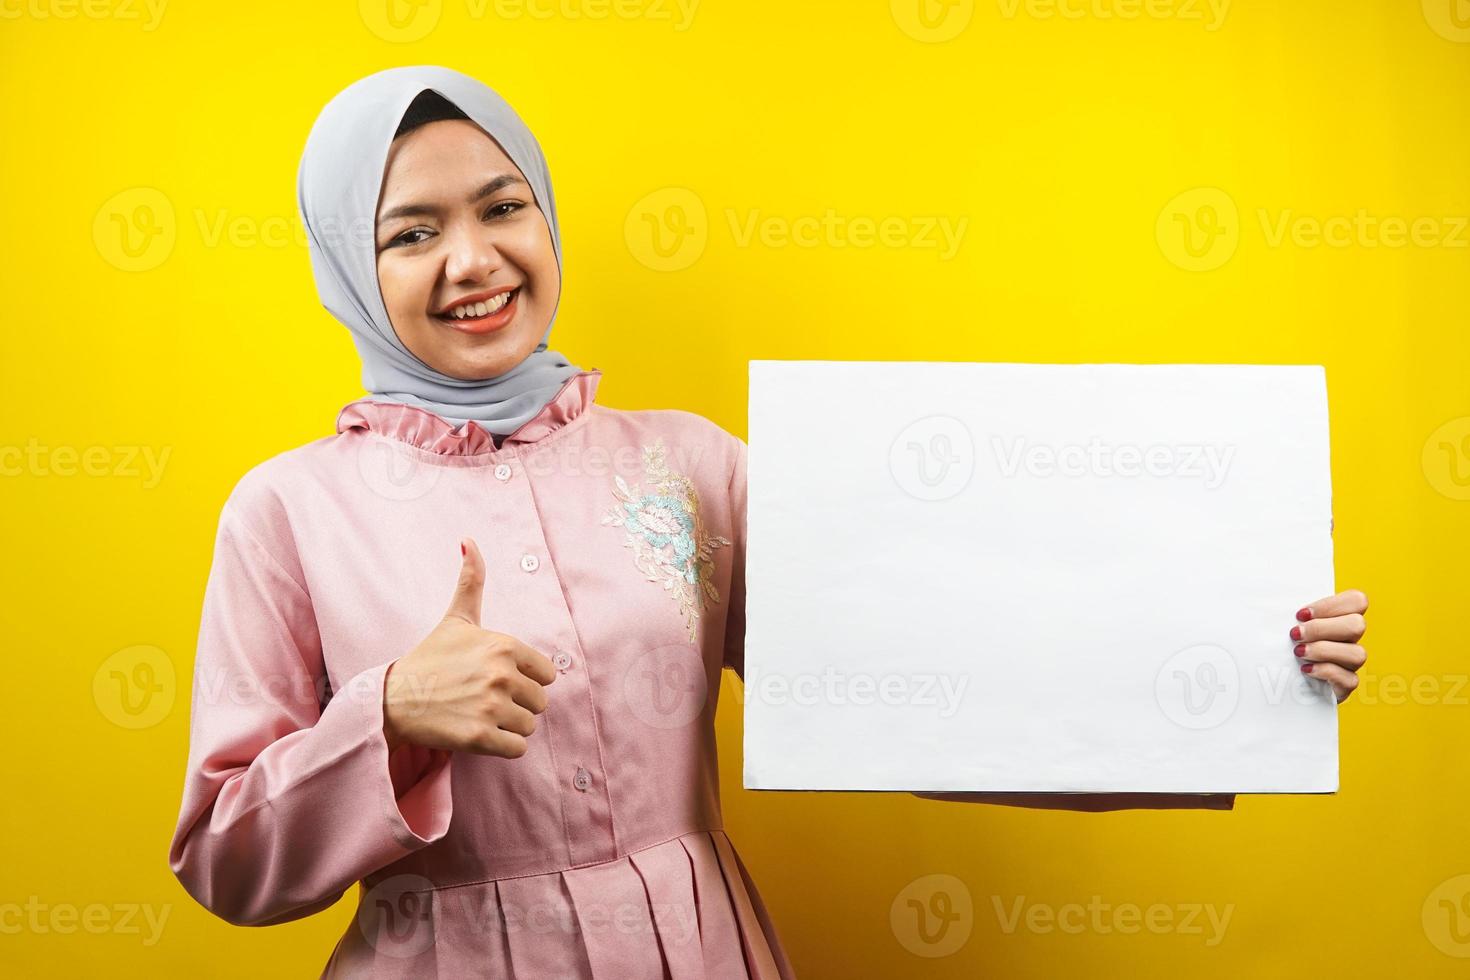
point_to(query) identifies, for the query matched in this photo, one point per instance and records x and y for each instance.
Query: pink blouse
(613, 543)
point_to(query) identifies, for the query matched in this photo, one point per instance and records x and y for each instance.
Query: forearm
(276, 828)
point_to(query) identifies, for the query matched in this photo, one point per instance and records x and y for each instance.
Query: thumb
(469, 591)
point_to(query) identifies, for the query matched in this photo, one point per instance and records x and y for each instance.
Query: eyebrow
(490, 187)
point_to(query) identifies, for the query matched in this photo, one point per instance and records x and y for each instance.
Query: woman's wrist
(391, 734)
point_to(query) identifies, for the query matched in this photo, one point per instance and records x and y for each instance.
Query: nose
(472, 256)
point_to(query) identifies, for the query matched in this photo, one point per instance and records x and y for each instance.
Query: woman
(513, 794)
(523, 783)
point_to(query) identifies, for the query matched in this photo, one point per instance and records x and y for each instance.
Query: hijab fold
(338, 185)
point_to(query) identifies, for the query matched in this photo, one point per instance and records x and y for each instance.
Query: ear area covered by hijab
(338, 184)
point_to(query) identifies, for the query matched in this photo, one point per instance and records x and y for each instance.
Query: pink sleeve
(735, 613)
(287, 803)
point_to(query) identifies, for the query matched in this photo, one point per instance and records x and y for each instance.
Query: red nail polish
(1296, 632)
(461, 550)
(1301, 650)
(1304, 614)
(1306, 668)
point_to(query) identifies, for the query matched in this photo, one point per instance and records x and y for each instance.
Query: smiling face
(458, 223)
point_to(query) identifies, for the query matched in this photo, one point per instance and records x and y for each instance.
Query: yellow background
(1063, 135)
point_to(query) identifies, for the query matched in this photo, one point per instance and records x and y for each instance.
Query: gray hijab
(337, 188)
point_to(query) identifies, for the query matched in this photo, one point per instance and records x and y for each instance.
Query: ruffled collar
(435, 434)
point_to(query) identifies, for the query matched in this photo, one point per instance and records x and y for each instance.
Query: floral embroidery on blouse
(669, 541)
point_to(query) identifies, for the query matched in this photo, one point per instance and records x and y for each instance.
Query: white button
(562, 660)
(530, 563)
(502, 472)
(582, 780)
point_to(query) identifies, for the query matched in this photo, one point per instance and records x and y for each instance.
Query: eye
(503, 209)
(404, 239)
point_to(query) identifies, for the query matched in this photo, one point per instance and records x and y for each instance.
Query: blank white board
(1036, 577)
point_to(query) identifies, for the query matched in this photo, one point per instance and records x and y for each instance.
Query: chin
(467, 357)
(471, 368)
(479, 370)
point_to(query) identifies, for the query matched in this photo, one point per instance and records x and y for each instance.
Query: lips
(448, 309)
(487, 322)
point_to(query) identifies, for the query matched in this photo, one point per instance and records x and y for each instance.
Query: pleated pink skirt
(685, 909)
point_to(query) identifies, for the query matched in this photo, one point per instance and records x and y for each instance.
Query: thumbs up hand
(464, 687)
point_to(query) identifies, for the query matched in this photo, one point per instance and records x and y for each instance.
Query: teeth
(481, 309)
